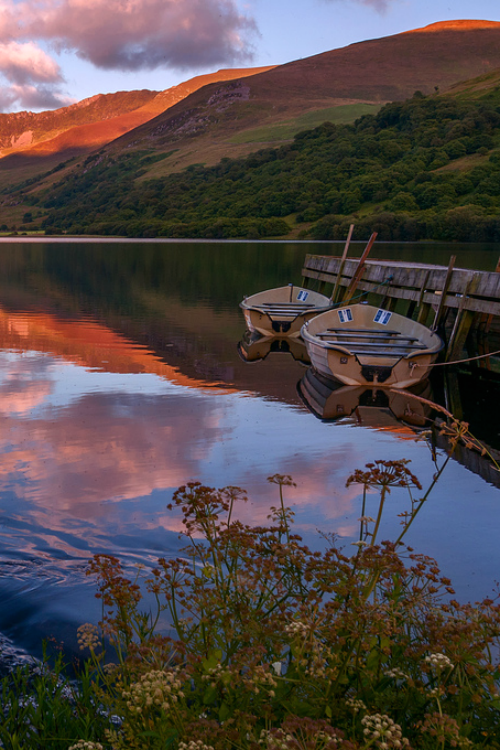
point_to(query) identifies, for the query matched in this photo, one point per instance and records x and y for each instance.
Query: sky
(58, 52)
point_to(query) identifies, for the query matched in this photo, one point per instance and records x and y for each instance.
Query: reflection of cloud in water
(98, 455)
(24, 384)
(110, 447)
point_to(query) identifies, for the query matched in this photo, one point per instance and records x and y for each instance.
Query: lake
(121, 379)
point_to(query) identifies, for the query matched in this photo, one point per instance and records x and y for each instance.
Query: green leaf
(211, 662)
(224, 712)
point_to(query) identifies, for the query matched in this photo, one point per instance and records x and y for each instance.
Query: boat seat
(362, 332)
(291, 305)
(370, 334)
(386, 353)
(284, 310)
(352, 343)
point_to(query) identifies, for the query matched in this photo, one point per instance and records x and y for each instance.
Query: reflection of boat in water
(363, 345)
(282, 311)
(376, 407)
(253, 347)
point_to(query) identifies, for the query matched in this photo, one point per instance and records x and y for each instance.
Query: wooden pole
(489, 318)
(342, 264)
(462, 323)
(444, 291)
(359, 271)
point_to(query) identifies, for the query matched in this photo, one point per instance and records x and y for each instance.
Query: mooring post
(359, 271)
(333, 298)
(488, 319)
(463, 321)
(444, 290)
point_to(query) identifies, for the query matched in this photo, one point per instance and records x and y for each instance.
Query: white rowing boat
(282, 311)
(363, 345)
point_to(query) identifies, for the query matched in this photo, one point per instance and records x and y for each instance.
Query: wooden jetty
(468, 300)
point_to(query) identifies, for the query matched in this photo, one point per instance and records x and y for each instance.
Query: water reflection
(253, 347)
(383, 408)
(120, 380)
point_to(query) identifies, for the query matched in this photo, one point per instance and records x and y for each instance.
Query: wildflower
(440, 661)
(159, 689)
(396, 674)
(88, 637)
(355, 704)
(302, 733)
(383, 731)
(86, 745)
(366, 519)
(360, 544)
(385, 474)
(194, 745)
(443, 727)
(296, 628)
(277, 666)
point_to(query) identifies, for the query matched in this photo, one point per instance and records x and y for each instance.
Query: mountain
(96, 121)
(231, 113)
(270, 107)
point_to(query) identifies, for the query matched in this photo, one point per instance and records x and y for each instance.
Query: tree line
(428, 167)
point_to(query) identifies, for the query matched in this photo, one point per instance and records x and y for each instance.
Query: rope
(458, 361)
(414, 364)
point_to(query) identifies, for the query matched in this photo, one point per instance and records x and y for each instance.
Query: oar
(342, 264)
(359, 271)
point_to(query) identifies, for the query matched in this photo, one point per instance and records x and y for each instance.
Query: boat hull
(282, 311)
(355, 350)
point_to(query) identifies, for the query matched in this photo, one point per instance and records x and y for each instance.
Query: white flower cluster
(157, 688)
(213, 674)
(355, 704)
(277, 739)
(86, 745)
(194, 745)
(396, 674)
(88, 637)
(436, 692)
(296, 628)
(440, 661)
(386, 733)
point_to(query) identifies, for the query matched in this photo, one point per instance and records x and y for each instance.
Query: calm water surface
(120, 380)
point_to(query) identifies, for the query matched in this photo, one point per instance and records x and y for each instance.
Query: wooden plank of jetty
(469, 294)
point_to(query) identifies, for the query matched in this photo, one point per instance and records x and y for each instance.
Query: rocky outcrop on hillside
(100, 119)
(21, 129)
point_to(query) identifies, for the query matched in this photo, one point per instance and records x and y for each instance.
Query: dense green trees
(428, 167)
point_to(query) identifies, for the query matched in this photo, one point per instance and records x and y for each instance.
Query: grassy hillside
(428, 167)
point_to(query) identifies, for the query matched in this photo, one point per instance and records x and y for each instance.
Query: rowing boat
(282, 311)
(363, 345)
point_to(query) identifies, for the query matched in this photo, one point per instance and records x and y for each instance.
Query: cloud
(32, 98)
(23, 63)
(33, 75)
(379, 5)
(136, 34)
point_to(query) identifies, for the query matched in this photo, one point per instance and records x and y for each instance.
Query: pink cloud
(135, 34)
(379, 5)
(34, 97)
(34, 77)
(21, 63)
